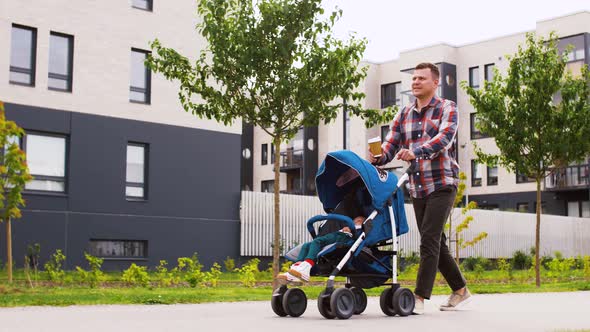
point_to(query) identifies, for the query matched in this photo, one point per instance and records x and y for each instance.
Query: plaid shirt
(430, 134)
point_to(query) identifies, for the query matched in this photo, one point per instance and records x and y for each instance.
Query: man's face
(423, 83)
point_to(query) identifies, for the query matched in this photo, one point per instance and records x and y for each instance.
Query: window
(135, 187)
(142, 4)
(489, 72)
(61, 54)
(492, 176)
(578, 209)
(576, 56)
(522, 207)
(23, 54)
(475, 174)
(475, 133)
(118, 248)
(522, 178)
(46, 157)
(391, 94)
(267, 186)
(141, 78)
(272, 153)
(264, 154)
(474, 77)
(384, 132)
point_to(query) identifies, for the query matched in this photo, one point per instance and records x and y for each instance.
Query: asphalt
(498, 312)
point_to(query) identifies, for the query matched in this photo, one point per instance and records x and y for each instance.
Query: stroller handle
(411, 169)
(334, 216)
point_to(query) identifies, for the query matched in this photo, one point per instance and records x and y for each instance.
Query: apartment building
(388, 84)
(121, 171)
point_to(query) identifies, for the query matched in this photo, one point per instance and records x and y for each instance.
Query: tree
(538, 114)
(14, 174)
(460, 242)
(274, 64)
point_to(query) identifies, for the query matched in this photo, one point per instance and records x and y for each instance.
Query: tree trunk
(538, 236)
(9, 250)
(277, 234)
(457, 247)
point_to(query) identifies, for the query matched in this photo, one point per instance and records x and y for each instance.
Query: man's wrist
(417, 152)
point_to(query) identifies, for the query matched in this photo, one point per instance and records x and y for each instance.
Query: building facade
(389, 84)
(121, 171)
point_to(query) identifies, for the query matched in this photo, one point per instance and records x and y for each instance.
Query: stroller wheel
(324, 305)
(294, 302)
(403, 301)
(342, 303)
(386, 302)
(276, 302)
(360, 300)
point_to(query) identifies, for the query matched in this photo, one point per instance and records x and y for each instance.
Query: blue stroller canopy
(335, 173)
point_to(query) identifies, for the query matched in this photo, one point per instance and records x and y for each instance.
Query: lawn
(230, 289)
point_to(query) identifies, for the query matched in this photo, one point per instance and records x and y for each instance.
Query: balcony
(291, 160)
(568, 178)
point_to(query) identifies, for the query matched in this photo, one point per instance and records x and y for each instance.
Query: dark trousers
(432, 212)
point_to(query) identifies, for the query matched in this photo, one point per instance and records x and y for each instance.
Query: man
(424, 132)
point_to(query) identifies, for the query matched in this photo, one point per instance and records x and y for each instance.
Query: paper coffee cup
(375, 146)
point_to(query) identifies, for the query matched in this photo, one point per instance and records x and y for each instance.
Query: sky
(392, 26)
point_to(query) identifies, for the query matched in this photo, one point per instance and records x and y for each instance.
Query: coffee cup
(375, 146)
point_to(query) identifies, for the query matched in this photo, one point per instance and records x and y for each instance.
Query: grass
(64, 296)
(230, 289)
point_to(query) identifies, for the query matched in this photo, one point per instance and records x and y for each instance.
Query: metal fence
(507, 231)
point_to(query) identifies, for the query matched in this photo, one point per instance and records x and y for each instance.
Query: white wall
(104, 33)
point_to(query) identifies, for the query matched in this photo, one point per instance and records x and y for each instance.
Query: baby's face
(359, 220)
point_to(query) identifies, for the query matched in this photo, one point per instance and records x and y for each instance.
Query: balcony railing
(291, 159)
(571, 177)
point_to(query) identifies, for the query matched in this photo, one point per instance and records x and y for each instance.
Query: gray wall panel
(193, 190)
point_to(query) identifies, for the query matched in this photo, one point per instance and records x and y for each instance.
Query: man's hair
(433, 69)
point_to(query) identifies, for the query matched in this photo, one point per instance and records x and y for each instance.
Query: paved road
(505, 312)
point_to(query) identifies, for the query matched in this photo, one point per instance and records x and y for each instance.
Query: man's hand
(372, 159)
(405, 155)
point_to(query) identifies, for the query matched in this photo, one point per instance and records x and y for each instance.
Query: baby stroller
(360, 260)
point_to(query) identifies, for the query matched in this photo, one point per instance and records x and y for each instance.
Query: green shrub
(163, 276)
(248, 272)
(54, 267)
(136, 276)
(212, 277)
(521, 261)
(558, 255)
(478, 271)
(470, 263)
(286, 266)
(587, 266)
(579, 263)
(94, 276)
(230, 264)
(189, 269)
(545, 260)
(558, 267)
(505, 267)
(406, 261)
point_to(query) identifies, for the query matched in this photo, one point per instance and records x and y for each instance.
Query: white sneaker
(300, 270)
(418, 306)
(455, 301)
(286, 278)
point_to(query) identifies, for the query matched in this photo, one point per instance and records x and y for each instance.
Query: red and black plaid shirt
(430, 134)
